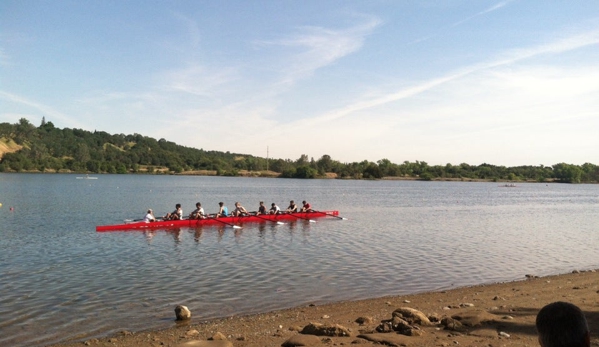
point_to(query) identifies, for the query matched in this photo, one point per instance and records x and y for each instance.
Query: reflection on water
(61, 280)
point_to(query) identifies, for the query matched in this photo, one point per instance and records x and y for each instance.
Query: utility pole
(266, 158)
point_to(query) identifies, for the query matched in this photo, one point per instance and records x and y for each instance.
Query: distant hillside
(50, 149)
(27, 148)
(8, 146)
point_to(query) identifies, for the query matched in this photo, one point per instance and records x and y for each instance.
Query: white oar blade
(236, 227)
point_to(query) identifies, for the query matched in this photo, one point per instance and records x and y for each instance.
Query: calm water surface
(60, 280)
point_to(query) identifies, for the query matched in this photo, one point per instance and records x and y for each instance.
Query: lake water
(61, 280)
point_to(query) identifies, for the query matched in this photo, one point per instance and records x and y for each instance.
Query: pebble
(406, 301)
(504, 334)
(507, 317)
(326, 317)
(467, 304)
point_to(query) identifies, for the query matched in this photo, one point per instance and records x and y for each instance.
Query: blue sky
(502, 82)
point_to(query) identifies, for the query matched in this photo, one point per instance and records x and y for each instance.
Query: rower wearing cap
(292, 207)
(306, 207)
(149, 216)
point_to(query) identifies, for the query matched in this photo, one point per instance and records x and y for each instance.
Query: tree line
(49, 149)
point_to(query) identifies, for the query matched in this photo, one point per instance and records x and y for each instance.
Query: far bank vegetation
(27, 148)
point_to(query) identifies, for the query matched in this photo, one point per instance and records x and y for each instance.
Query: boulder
(218, 337)
(364, 320)
(182, 312)
(325, 330)
(451, 324)
(412, 316)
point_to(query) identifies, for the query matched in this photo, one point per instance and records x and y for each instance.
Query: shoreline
(498, 314)
(272, 174)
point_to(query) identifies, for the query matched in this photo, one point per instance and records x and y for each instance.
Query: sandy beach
(494, 315)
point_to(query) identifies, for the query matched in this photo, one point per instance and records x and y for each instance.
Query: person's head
(261, 203)
(291, 202)
(304, 202)
(273, 204)
(178, 205)
(221, 203)
(198, 205)
(149, 210)
(562, 324)
(236, 204)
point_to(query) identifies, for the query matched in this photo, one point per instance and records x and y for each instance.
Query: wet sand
(493, 315)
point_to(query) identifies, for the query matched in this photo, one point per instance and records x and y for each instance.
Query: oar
(268, 220)
(309, 220)
(138, 220)
(332, 215)
(229, 224)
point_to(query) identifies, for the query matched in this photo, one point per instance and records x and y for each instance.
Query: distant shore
(272, 174)
(500, 314)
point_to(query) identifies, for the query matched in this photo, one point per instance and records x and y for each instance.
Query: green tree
(567, 173)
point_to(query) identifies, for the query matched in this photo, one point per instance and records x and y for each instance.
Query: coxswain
(223, 211)
(306, 207)
(292, 207)
(198, 213)
(274, 209)
(149, 216)
(177, 214)
(261, 208)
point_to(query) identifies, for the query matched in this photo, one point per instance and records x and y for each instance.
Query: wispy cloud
(511, 57)
(488, 10)
(44, 109)
(198, 80)
(318, 47)
(193, 31)
(462, 21)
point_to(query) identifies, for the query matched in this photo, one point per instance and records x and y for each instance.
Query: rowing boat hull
(192, 223)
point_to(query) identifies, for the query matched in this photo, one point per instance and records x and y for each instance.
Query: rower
(149, 216)
(223, 211)
(198, 213)
(274, 209)
(239, 210)
(306, 207)
(177, 214)
(261, 208)
(292, 207)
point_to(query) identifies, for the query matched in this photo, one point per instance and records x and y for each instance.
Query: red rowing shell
(191, 223)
